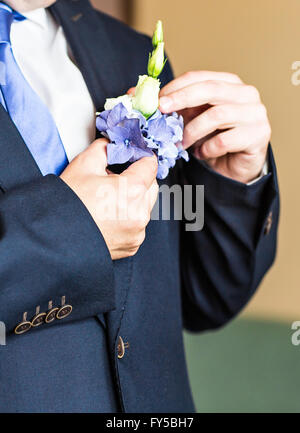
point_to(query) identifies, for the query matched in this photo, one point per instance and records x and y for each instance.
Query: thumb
(97, 156)
(142, 172)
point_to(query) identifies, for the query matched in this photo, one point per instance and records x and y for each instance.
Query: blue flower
(175, 123)
(127, 142)
(167, 155)
(132, 137)
(158, 132)
(110, 118)
(182, 153)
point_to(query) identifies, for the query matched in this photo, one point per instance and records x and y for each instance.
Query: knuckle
(267, 130)
(219, 141)
(217, 87)
(205, 151)
(214, 86)
(216, 114)
(140, 225)
(189, 74)
(262, 111)
(139, 239)
(182, 96)
(252, 92)
(190, 132)
(236, 78)
(132, 252)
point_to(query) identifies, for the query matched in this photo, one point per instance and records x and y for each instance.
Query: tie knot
(7, 16)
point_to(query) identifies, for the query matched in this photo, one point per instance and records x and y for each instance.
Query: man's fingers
(221, 117)
(131, 91)
(96, 156)
(209, 92)
(152, 194)
(198, 76)
(142, 172)
(235, 140)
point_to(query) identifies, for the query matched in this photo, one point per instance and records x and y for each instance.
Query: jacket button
(269, 223)
(39, 318)
(121, 347)
(64, 310)
(24, 326)
(51, 313)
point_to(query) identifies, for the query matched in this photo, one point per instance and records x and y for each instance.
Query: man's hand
(225, 121)
(119, 204)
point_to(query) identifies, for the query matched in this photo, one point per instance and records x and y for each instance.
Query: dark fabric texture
(50, 246)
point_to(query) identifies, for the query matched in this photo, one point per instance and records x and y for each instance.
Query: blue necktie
(30, 115)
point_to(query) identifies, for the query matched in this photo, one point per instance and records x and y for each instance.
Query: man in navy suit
(94, 308)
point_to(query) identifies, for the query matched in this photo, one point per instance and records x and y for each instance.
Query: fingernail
(165, 103)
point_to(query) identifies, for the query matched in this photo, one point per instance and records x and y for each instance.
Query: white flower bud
(125, 99)
(146, 95)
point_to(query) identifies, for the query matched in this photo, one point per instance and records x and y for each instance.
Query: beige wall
(259, 40)
(117, 8)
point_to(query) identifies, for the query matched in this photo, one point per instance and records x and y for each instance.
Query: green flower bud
(158, 35)
(157, 61)
(146, 95)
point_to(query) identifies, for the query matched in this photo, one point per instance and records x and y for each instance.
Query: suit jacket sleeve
(50, 247)
(223, 264)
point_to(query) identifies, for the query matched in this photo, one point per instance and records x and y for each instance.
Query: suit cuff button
(38, 319)
(51, 313)
(24, 326)
(65, 310)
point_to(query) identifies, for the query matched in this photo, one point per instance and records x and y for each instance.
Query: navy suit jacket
(50, 246)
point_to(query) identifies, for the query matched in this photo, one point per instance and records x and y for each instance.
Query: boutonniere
(134, 125)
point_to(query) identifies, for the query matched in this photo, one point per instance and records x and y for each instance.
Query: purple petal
(116, 115)
(118, 134)
(118, 153)
(163, 169)
(184, 154)
(140, 153)
(101, 121)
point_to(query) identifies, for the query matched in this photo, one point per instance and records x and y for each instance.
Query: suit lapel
(83, 29)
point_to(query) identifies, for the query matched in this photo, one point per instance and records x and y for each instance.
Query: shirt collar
(38, 16)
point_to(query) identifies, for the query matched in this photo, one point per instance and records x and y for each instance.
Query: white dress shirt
(41, 51)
